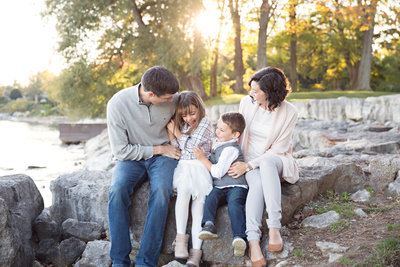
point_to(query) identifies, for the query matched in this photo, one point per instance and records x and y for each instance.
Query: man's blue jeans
(236, 199)
(127, 176)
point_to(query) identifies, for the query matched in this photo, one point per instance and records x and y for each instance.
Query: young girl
(188, 130)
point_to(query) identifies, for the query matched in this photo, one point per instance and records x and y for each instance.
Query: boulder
(82, 195)
(95, 255)
(20, 204)
(383, 170)
(44, 227)
(46, 247)
(85, 231)
(67, 252)
(98, 153)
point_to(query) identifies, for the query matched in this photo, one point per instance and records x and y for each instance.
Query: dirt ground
(359, 234)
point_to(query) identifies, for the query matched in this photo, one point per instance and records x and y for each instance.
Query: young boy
(226, 188)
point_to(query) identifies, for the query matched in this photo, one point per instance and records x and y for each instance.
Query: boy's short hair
(235, 121)
(159, 81)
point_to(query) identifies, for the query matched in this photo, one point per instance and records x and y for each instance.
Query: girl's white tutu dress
(190, 174)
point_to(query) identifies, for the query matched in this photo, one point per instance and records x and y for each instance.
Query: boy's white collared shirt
(228, 155)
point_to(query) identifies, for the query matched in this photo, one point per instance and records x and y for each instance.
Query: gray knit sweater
(135, 127)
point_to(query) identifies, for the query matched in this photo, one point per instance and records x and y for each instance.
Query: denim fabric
(127, 176)
(236, 199)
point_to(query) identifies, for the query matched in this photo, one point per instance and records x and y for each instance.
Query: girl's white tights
(181, 214)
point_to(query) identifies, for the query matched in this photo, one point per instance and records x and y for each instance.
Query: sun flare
(208, 22)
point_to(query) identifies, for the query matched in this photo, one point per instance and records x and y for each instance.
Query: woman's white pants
(264, 186)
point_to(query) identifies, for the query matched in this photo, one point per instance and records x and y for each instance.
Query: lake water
(36, 150)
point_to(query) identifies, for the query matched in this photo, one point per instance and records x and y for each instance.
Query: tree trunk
(214, 68)
(138, 16)
(293, 44)
(238, 59)
(364, 70)
(353, 73)
(262, 35)
(194, 77)
(195, 84)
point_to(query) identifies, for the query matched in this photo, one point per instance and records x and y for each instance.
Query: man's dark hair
(235, 121)
(159, 81)
(274, 84)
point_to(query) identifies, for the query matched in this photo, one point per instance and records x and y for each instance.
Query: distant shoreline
(49, 120)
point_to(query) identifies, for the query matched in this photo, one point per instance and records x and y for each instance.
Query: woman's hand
(237, 169)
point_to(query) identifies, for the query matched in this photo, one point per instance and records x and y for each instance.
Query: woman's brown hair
(274, 84)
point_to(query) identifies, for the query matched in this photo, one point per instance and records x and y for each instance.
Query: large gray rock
(383, 170)
(82, 195)
(86, 184)
(67, 252)
(95, 255)
(382, 109)
(98, 153)
(46, 248)
(45, 227)
(85, 231)
(20, 204)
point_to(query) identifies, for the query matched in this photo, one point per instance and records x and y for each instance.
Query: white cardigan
(279, 136)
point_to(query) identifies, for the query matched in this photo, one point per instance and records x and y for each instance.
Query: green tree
(115, 37)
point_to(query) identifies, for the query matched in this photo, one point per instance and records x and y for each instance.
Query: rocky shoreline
(343, 156)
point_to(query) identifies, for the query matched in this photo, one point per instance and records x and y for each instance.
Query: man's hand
(199, 153)
(168, 151)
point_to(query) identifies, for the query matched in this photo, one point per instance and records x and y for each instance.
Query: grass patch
(299, 253)
(395, 227)
(346, 261)
(299, 96)
(224, 100)
(376, 209)
(386, 253)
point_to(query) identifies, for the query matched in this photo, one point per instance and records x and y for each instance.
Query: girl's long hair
(186, 99)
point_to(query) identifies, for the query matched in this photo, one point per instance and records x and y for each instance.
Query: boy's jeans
(236, 198)
(127, 176)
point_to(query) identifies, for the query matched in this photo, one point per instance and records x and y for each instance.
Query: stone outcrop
(20, 204)
(343, 156)
(350, 150)
(382, 109)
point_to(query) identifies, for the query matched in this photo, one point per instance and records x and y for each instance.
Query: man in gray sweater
(137, 117)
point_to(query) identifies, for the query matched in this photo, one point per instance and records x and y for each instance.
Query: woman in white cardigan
(267, 146)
